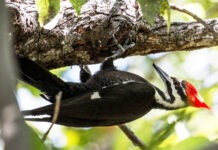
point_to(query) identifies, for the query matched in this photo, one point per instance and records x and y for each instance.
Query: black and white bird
(109, 97)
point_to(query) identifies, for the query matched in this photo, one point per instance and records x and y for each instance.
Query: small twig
(195, 17)
(55, 116)
(135, 140)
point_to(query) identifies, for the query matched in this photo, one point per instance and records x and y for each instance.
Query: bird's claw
(122, 48)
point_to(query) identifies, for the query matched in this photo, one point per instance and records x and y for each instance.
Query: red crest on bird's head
(194, 99)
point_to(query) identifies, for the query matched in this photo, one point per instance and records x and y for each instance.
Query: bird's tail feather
(27, 113)
(45, 119)
(32, 115)
(39, 77)
(36, 73)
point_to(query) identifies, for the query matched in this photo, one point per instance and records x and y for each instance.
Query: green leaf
(47, 9)
(166, 11)
(162, 134)
(77, 4)
(58, 72)
(35, 92)
(54, 7)
(152, 8)
(193, 143)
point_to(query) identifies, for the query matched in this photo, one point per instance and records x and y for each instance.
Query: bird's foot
(122, 48)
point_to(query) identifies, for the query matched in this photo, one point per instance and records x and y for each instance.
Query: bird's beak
(164, 76)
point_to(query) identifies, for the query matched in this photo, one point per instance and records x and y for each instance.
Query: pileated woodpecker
(109, 97)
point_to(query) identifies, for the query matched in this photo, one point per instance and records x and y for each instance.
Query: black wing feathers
(110, 97)
(117, 104)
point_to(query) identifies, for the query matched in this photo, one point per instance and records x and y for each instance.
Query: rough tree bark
(88, 38)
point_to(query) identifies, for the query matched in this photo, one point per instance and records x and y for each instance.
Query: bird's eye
(176, 83)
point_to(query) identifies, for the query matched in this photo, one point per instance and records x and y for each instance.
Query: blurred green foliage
(37, 144)
(184, 129)
(77, 4)
(47, 10)
(152, 8)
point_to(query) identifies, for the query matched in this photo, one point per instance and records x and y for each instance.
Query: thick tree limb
(88, 38)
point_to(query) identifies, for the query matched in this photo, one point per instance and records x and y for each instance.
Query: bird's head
(181, 92)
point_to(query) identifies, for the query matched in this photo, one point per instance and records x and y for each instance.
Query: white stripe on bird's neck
(166, 102)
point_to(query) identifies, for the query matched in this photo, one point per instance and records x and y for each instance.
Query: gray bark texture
(88, 38)
(12, 127)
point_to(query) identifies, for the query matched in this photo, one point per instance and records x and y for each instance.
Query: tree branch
(196, 18)
(88, 38)
(135, 140)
